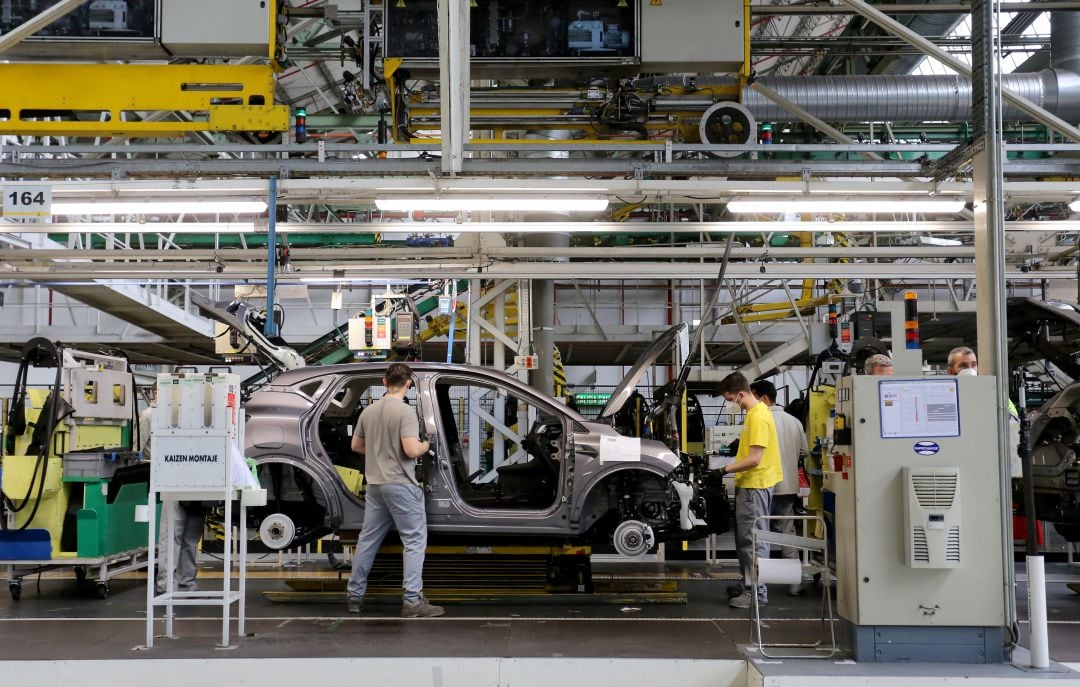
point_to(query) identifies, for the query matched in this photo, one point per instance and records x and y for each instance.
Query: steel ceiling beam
(521, 168)
(914, 8)
(423, 269)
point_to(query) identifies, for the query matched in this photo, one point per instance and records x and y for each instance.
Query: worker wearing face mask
(757, 469)
(963, 362)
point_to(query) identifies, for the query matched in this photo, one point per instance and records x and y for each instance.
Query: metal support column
(989, 224)
(454, 77)
(912, 38)
(270, 328)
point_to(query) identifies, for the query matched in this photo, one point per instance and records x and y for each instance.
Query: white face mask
(967, 372)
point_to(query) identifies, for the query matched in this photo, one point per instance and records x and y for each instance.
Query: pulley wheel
(727, 123)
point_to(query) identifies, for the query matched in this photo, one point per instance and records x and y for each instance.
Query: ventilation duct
(907, 98)
(1065, 41)
(910, 98)
(932, 24)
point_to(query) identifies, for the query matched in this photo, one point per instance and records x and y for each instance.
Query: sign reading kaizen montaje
(27, 201)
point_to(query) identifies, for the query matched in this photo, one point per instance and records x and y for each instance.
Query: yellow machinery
(70, 476)
(93, 98)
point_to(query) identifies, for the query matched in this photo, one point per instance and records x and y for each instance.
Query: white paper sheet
(618, 449)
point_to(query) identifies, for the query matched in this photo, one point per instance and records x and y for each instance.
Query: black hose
(31, 356)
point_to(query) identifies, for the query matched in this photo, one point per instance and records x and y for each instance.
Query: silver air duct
(910, 98)
(906, 98)
(932, 24)
(1065, 41)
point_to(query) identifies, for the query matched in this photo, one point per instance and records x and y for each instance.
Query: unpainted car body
(553, 485)
(1050, 330)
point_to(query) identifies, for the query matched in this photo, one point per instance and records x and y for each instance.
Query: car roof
(305, 374)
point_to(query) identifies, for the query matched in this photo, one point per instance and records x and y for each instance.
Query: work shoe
(420, 609)
(796, 590)
(734, 590)
(744, 601)
(354, 604)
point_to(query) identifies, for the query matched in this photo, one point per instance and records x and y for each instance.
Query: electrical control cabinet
(210, 28)
(918, 516)
(694, 37)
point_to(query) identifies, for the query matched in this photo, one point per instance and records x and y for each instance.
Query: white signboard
(919, 408)
(183, 460)
(27, 201)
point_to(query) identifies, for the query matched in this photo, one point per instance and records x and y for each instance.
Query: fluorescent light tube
(171, 207)
(854, 206)
(492, 204)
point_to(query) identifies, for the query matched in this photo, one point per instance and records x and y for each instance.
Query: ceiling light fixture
(170, 207)
(847, 205)
(492, 204)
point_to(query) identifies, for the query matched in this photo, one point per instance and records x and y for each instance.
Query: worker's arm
(414, 447)
(358, 444)
(751, 461)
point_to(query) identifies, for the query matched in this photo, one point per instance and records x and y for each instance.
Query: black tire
(16, 590)
(102, 590)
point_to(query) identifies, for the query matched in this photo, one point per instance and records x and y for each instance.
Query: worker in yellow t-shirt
(757, 470)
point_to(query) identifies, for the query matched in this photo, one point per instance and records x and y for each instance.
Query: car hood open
(625, 390)
(1046, 329)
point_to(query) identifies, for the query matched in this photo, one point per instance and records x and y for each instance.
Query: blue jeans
(400, 505)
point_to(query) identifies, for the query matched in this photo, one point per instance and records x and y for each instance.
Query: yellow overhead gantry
(97, 99)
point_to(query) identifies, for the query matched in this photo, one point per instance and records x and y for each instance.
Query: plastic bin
(80, 466)
(31, 544)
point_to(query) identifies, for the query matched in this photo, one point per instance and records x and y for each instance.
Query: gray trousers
(751, 504)
(186, 531)
(400, 505)
(784, 505)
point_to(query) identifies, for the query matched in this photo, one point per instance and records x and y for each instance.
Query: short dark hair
(397, 374)
(764, 388)
(734, 383)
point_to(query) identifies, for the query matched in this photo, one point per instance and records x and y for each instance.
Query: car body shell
(281, 427)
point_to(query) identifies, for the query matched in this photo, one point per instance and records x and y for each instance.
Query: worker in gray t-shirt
(388, 434)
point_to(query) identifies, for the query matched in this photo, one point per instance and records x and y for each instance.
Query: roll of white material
(1040, 644)
(779, 571)
(142, 513)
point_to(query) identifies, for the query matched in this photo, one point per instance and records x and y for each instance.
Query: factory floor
(66, 621)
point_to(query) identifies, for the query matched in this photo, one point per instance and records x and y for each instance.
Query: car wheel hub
(633, 538)
(277, 531)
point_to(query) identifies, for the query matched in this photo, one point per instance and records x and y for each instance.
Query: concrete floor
(66, 621)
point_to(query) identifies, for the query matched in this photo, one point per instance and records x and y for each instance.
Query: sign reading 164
(27, 201)
(27, 198)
